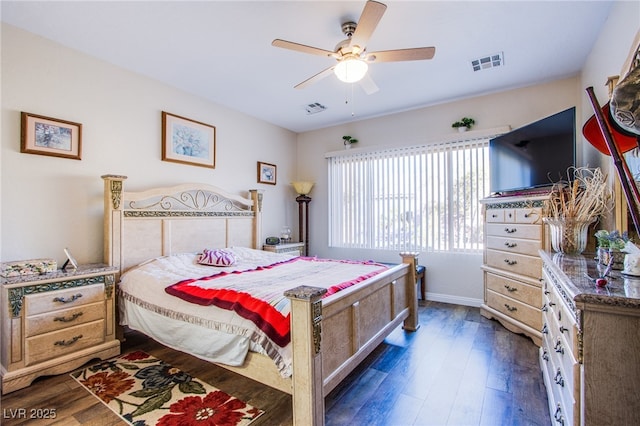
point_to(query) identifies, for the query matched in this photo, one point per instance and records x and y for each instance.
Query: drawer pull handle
(69, 300)
(69, 319)
(544, 308)
(552, 304)
(558, 347)
(563, 329)
(494, 215)
(510, 244)
(546, 292)
(68, 342)
(558, 415)
(545, 329)
(510, 289)
(558, 378)
(510, 230)
(545, 355)
(510, 308)
(510, 262)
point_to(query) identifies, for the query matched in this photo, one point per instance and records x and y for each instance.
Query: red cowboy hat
(591, 130)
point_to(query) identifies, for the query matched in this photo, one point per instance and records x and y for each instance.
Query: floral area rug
(146, 391)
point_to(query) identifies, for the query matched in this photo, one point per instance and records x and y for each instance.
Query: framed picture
(187, 141)
(266, 173)
(71, 261)
(50, 136)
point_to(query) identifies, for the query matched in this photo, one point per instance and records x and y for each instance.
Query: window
(423, 198)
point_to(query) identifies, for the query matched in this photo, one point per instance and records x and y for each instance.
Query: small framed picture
(187, 141)
(71, 261)
(50, 136)
(266, 173)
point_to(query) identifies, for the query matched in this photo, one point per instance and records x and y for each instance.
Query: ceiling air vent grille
(314, 108)
(486, 62)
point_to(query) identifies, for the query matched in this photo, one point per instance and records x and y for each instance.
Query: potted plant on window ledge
(464, 124)
(348, 140)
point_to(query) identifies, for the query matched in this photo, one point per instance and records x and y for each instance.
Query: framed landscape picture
(50, 136)
(187, 141)
(266, 173)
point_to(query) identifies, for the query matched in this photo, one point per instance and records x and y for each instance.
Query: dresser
(590, 354)
(295, 249)
(55, 322)
(513, 235)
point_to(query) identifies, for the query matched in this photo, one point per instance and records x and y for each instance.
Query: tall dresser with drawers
(55, 322)
(513, 235)
(590, 353)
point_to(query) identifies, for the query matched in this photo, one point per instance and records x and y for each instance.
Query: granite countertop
(60, 274)
(621, 290)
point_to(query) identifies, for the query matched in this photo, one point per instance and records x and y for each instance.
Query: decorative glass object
(285, 234)
(605, 254)
(569, 235)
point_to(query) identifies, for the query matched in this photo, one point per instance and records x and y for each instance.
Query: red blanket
(265, 313)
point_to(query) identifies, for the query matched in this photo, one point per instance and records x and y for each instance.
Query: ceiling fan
(351, 53)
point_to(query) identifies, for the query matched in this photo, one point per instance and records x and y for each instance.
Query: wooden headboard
(139, 226)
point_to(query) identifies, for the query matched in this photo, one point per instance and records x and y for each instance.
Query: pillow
(216, 257)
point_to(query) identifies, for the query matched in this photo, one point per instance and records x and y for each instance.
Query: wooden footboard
(332, 336)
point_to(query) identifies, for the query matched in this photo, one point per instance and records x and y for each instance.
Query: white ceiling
(221, 50)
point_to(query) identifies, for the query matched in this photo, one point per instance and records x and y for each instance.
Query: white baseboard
(455, 300)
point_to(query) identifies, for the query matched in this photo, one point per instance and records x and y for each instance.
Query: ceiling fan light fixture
(351, 70)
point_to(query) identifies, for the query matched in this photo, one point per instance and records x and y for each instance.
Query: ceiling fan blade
(412, 54)
(322, 74)
(368, 85)
(301, 47)
(368, 22)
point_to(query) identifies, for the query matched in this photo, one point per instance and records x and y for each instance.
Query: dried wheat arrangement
(573, 205)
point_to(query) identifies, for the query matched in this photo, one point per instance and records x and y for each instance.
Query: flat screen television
(533, 156)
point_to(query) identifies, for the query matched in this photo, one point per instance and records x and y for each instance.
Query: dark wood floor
(457, 369)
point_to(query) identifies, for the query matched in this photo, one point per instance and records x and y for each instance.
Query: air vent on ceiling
(486, 62)
(314, 108)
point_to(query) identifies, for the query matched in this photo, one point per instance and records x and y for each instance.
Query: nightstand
(295, 249)
(55, 322)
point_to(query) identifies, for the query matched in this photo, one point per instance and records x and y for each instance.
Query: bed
(331, 332)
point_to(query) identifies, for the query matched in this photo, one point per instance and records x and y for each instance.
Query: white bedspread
(208, 332)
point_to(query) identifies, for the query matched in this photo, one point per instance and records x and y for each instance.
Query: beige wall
(457, 278)
(50, 203)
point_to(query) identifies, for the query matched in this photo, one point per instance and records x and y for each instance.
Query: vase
(568, 235)
(462, 129)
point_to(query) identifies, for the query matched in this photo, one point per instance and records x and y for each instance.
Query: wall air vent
(486, 62)
(314, 108)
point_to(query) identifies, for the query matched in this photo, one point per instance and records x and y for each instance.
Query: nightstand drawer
(51, 321)
(62, 299)
(57, 343)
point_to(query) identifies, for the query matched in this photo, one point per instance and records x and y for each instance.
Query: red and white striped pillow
(216, 257)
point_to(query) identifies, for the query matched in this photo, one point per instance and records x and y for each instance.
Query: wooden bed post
(411, 323)
(256, 197)
(306, 319)
(113, 220)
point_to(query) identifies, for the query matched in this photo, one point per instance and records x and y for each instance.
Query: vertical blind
(422, 198)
